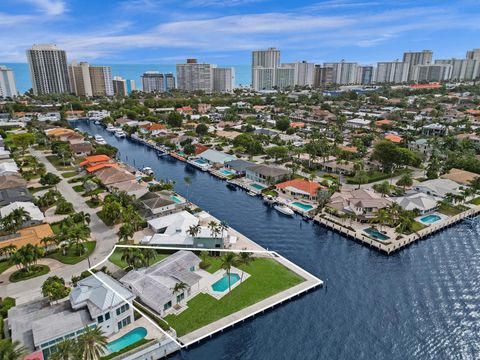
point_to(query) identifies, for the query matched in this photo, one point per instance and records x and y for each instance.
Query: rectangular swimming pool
(176, 199)
(222, 284)
(304, 207)
(430, 219)
(374, 233)
(226, 172)
(128, 339)
(258, 186)
(200, 161)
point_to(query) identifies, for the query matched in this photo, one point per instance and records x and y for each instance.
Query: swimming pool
(128, 339)
(430, 219)
(302, 206)
(176, 199)
(258, 186)
(226, 172)
(374, 233)
(222, 284)
(200, 161)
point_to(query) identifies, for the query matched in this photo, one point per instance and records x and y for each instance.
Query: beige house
(361, 202)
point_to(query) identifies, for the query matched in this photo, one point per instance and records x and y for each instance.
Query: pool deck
(311, 282)
(393, 245)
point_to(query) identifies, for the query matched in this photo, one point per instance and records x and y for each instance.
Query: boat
(148, 171)
(100, 140)
(231, 186)
(269, 199)
(284, 210)
(111, 128)
(120, 133)
(97, 122)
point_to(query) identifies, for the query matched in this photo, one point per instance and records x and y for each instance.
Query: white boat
(269, 199)
(251, 193)
(97, 122)
(111, 128)
(148, 171)
(284, 210)
(100, 140)
(120, 133)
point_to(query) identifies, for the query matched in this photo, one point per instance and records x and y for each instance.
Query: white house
(419, 201)
(171, 229)
(438, 187)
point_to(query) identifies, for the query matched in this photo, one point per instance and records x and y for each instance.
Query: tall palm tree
(76, 236)
(228, 261)
(27, 256)
(194, 230)
(244, 258)
(149, 255)
(213, 226)
(128, 255)
(20, 216)
(66, 350)
(126, 232)
(92, 343)
(223, 226)
(179, 287)
(12, 350)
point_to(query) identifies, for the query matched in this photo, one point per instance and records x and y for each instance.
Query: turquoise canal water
(222, 284)
(420, 303)
(128, 339)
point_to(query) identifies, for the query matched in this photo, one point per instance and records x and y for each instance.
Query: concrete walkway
(105, 237)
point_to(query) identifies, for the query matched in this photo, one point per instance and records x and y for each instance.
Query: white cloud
(50, 7)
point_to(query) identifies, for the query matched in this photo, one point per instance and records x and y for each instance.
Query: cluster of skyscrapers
(193, 76)
(154, 81)
(268, 73)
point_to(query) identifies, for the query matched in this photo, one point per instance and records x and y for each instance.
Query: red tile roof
(301, 184)
(100, 166)
(393, 138)
(95, 159)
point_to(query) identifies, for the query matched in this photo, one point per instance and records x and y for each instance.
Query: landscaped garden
(32, 272)
(70, 255)
(267, 278)
(131, 257)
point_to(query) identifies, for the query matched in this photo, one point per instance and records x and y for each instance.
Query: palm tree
(213, 226)
(228, 260)
(8, 250)
(27, 256)
(179, 287)
(244, 258)
(194, 230)
(20, 216)
(92, 343)
(149, 255)
(12, 350)
(76, 236)
(47, 241)
(128, 256)
(126, 232)
(66, 350)
(223, 226)
(382, 217)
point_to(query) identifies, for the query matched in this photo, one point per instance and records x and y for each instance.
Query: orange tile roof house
(113, 175)
(95, 159)
(379, 123)
(300, 187)
(297, 124)
(393, 138)
(97, 167)
(29, 235)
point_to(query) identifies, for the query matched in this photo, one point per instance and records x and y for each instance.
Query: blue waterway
(127, 71)
(421, 303)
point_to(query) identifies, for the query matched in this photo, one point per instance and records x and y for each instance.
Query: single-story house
(299, 187)
(238, 165)
(216, 157)
(8, 196)
(112, 175)
(131, 187)
(363, 203)
(12, 181)
(418, 201)
(460, 176)
(153, 285)
(438, 187)
(155, 204)
(171, 229)
(36, 215)
(266, 174)
(81, 149)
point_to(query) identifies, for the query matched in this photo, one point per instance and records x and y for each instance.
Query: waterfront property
(299, 188)
(41, 326)
(265, 174)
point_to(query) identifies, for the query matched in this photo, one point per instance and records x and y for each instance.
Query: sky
(225, 32)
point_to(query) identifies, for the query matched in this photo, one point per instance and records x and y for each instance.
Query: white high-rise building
(268, 60)
(436, 72)
(193, 76)
(304, 73)
(169, 82)
(153, 81)
(223, 79)
(7, 83)
(344, 72)
(120, 86)
(473, 54)
(414, 58)
(462, 69)
(394, 72)
(48, 69)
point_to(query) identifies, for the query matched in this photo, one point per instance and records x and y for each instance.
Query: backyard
(267, 278)
(116, 258)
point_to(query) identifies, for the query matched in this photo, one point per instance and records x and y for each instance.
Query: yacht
(111, 128)
(269, 199)
(100, 140)
(120, 133)
(148, 171)
(231, 186)
(97, 122)
(251, 193)
(284, 210)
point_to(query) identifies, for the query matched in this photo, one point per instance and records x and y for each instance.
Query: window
(167, 306)
(122, 309)
(107, 316)
(180, 297)
(192, 268)
(124, 322)
(100, 319)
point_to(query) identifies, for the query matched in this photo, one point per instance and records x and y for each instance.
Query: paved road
(105, 236)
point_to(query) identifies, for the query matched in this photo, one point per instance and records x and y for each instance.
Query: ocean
(243, 73)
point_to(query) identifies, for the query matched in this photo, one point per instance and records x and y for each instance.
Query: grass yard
(116, 258)
(71, 256)
(451, 210)
(93, 204)
(268, 278)
(37, 270)
(415, 228)
(69, 174)
(57, 162)
(34, 190)
(4, 265)
(78, 188)
(475, 201)
(214, 263)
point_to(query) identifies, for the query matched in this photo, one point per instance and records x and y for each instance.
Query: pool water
(302, 206)
(226, 172)
(200, 161)
(376, 234)
(176, 199)
(258, 186)
(128, 339)
(430, 219)
(222, 284)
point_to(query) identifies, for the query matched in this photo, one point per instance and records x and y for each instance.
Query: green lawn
(451, 210)
(4, 265)
(34, 190)
(214, 264)
(415, 228)
(57, 162)
(475, 201)
(268, 278)
(93, 204)
(71, 256)
(37, 270)
(116, 258)
(69, 174)
(78, 188)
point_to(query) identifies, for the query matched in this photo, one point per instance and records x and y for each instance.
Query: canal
(421, 303)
